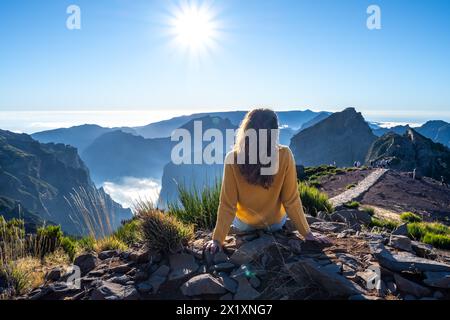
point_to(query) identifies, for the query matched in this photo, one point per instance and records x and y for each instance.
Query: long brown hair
(257, 119)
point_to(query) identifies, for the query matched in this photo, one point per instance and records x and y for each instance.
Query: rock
(391, 287)
(329, 227)
(437, 279)
(228, 283)
(295, 245)
(255, 282)
(140, 276)
(362, 297)
(228, 296)
(307, 270)
(224, 266)
(249, 251)
(369, 278)
(422, 249)
(438, 295)
(155, 281)
(401, 230)
(310, 220)
(181, 265)
(54, 274)
(409, 297)
(53, 291)
(351, 217)
(245, 291)
(86, 262)
(404, 261)
(349, 260)
(140, 256)
(108, 254)
(113, 291)
(220, 257)
(409, 287)
(123, 268)
(400, 242)
(120, 279)
(203, 284)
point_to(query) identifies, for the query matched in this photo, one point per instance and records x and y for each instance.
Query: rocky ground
(263, 265)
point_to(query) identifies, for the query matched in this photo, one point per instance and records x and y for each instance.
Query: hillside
(343, 137)
(42, 178)
(412, 151)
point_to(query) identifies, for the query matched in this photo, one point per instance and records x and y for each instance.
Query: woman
(251, 200)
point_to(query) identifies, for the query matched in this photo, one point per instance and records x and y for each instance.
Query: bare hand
(317, 238)
(213, 246)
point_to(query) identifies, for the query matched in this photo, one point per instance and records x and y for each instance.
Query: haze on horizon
(165, 58)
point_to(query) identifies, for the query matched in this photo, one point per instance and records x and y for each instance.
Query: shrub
(384, 223)
(410, 217)
(418, 230)
(352, 205)
(69, 246)
(109, 243)
(350, 186)
(86, 244)
(437, 240)
(197, 208)
(22, 275)
(313, 200)
(129, 232)
(48, 239)
(164, 232)
(369, 210)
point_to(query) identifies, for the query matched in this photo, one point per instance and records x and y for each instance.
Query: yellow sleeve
(290, 197)
(227, 205)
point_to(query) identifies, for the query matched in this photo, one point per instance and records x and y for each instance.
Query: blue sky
(285, 54)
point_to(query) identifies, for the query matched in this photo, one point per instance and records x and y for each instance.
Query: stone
(245, 291)
(203, 284)
(351, 217)
(182, 265)
(220, 257)
(86, 262)
(120, 279)
(54, 274)
(410, 287)
(437, 279)
(400, 242)
(123, 268)
(335, 285)
(255, 282)
(405, 261)
(249, 251)
(391, 287)
(349, 260)
(227, 296)
(362, 297)
(329, 227)
(155, 281)
(228, 283)
(53, 291)
(295, 245)
(438, 295)
(422, 249)
(402, 230)
(108, 254)
(140, 256)
(224, 266)
(140, 276)
(113, 291)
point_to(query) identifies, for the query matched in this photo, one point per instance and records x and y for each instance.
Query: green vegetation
(164, 232)
(432, 233)
(197, 208)
(410, 217)
(109, 243)
(384, 223)
(350, 186)
(313, 200)
(352, 205)
(130, 232)
(369, 210)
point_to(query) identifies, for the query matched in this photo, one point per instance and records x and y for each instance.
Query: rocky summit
(357, 265)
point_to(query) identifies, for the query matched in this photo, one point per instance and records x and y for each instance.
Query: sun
(194, 26)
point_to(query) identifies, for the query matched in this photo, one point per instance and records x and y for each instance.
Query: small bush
(22, 275)
(313, 200)
(437, 240)
(163, 232)
(369, 210)
(350, 186)
(109, 243)
(86, 244)
(197, 208)
(48, 239)
(410, 217)
(130, 232)
(384, 223)
(352, 205)
(69, 246)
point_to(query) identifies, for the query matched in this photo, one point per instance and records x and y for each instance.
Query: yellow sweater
(257, 206)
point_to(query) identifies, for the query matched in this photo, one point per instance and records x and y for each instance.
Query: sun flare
(194, 27)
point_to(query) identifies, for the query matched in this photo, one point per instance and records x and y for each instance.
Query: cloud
(128, 190)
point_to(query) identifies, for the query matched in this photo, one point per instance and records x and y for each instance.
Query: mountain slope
(412, 151)
(42, 178)
(343, 137)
